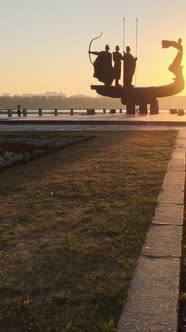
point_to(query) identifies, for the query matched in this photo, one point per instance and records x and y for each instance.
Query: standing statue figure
(117, 58)
(103, 69)
(176, 64)
(129, 67)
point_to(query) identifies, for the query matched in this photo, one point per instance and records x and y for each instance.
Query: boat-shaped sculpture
(142, 96)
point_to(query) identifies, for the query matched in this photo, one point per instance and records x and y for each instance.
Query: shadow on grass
(73, 224)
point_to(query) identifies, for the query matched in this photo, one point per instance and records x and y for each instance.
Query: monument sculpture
(117, 58)
(103, 69)
(130, 95)
(129, 67)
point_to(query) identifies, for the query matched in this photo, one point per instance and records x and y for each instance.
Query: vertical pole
(136, 45)
(123, 34)
(123, 45)
(19, 110)
(136, 36)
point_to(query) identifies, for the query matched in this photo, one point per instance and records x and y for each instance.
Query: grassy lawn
(72, 227)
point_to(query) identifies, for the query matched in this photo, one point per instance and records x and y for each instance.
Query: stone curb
(98, 122)
(153, 297)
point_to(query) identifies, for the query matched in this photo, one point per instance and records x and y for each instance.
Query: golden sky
(44, 43)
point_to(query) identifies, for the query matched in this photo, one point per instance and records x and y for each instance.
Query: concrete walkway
(153, 296)
(109, 122)
(163, 118)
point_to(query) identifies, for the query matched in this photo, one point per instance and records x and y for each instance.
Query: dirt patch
(14, 150)
(16, 147)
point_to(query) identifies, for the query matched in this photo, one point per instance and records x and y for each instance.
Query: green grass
(72, 227)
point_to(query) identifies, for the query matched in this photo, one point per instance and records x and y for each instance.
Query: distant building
(54, 93)
(6, 94)
(80, 96)
(27, 95)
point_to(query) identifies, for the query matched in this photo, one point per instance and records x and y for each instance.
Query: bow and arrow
(91, 44)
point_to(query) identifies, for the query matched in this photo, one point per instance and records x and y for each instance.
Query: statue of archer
(103, 69)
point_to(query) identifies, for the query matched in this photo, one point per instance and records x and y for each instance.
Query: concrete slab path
(153, 298)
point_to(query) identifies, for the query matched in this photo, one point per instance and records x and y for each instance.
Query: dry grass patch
(72, 226)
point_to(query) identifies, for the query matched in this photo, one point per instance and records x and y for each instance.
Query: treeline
(59, 102)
